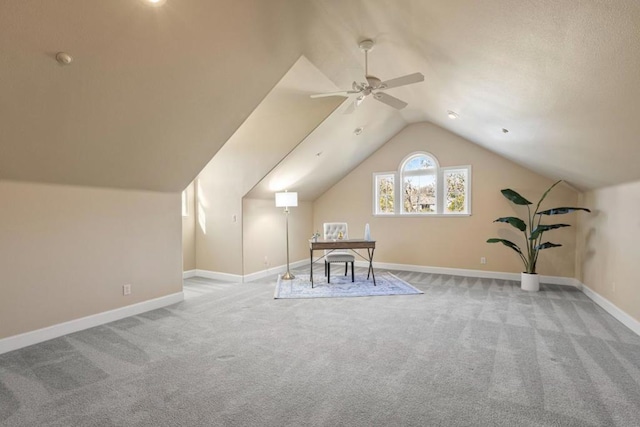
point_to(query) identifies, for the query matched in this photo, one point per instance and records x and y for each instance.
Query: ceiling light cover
(358, 130)
(452, 115)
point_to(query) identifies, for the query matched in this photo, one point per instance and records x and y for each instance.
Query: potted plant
(533, 230)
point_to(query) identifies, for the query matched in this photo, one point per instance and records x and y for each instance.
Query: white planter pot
(530, 282)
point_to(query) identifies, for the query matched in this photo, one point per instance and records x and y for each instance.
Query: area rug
(342, 286)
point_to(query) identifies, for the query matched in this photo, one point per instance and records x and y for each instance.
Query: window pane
(456, 187)
(384, 193)
(419, 194)
(419, 163)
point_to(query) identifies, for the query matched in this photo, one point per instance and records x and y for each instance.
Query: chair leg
(328, 272)
(345, 268)
(325, 268)
(353, 276)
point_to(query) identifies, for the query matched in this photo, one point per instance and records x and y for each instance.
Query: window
(419, 183)
(422, 187)
(384, 191)
(456, 189)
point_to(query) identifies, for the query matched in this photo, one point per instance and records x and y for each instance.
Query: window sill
(421, 215)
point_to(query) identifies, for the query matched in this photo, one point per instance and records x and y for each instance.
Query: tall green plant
(532, 229)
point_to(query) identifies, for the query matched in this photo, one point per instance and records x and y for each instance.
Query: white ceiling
(154, 92)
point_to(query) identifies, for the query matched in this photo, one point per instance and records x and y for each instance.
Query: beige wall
(65, 252)
(218, 221)
(264, 234)
(282, 120)
(610, 237)
(454, 242)
(189, 231)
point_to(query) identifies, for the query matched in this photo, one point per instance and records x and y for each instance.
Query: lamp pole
(287, 275)
(286, 200)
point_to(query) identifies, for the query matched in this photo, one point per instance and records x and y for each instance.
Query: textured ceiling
(154, 92)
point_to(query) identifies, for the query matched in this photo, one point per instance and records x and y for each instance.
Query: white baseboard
(274, 270)
(612, 309)
(238, 278)
(227, 277)
(188, 273)
(552, 280)
(29, 338)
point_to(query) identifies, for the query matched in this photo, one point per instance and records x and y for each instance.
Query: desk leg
(370, 270)
(311, 266)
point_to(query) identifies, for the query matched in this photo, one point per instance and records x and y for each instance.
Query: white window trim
(467, 199)
(398, 206)
(400, 209)
(375, 193)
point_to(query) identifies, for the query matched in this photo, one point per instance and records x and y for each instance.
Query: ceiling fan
(373, 85)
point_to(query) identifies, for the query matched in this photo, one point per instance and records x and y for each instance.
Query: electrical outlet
(483, 260)
(126, 289)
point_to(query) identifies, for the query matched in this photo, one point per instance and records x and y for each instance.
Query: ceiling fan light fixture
(374, 82)
(452, 114)
(363, 89)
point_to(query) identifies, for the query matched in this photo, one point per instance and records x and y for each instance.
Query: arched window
(419, 183)
(421, 187)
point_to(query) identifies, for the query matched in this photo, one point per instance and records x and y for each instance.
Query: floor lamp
(286, 200)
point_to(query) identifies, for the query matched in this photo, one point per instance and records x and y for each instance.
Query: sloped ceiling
(154, 92)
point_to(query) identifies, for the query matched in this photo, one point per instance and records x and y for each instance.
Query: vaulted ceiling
(154, 92)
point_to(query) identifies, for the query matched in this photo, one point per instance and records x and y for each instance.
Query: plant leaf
(506, 243)
(563, 210)
(516, 222)
(514, 197)
(544, 196)
(545, 227)
(546, 245)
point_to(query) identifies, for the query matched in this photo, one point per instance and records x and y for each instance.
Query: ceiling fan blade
(401, 81)
(390, 100)
(358, 100)
(322, 95)
(340, 93)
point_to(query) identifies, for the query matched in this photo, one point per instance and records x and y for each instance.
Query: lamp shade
(286, 199)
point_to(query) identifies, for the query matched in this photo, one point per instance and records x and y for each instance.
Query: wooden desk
(351, 244)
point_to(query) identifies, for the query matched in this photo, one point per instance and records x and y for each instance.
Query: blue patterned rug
(342, 286)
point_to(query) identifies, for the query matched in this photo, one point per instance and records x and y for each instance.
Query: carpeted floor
(470, 352)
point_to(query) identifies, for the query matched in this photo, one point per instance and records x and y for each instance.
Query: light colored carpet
(342, 286)
(470, 352)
